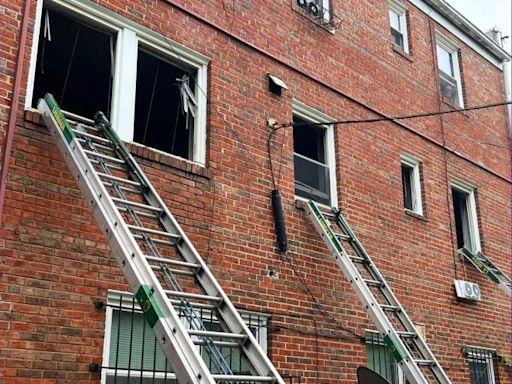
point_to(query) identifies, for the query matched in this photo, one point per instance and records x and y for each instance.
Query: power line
(405, 117)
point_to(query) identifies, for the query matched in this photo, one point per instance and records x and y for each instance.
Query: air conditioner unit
(311, 5)
(467, 290)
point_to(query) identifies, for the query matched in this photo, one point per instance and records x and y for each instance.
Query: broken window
(165, 105)
(75, 62)
(464, 210)
(310, 161)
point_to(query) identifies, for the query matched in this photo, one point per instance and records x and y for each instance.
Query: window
(398, 25)
(411, 184)
(131, 350)
(481, 367)
(153, 89)
(313, 147)
(449, 71)
(381, 360)
(464, 210)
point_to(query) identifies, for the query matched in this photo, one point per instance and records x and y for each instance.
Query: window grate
(483, 367)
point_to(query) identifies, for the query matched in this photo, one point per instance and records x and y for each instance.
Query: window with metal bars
(380, 359)
(133, 355)
(482, 367)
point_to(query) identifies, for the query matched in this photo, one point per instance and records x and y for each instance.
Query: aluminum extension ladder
(398, 331)
(162, 267)
(488, 268)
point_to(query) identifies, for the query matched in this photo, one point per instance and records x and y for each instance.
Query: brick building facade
(343, 64)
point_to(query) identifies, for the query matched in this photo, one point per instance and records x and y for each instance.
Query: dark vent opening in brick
(74, 63)
(160, 121)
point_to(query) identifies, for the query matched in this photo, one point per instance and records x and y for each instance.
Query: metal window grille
(482, 365)
(380, 358)
(134, 356)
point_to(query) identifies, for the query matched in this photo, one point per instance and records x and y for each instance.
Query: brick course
(56, 264)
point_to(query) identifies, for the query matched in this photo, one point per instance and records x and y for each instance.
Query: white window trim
(313, 115)
(402, 19)
(417, 200)
(469, 189)
(114, 302)
(452, 49)
(472, 356)
(129, 36)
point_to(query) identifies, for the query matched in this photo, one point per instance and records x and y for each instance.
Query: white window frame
(473, 356)
(453, 50)
(114, 303)
(469, 190)
(401, 11)
(130, 36)
(314, 116)
(414, 163)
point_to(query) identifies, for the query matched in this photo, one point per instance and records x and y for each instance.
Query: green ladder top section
(156, 256)
(410, 351)
(488, 268)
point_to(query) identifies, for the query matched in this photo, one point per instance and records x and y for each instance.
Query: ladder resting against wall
(488, 268)
(162, 267)
(398, 331)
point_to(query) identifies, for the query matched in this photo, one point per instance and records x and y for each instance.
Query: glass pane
(449, 88)
(309, 140)
(311, 180)
(397, 38)
(394, 20)
(445, 61)
(407, 173)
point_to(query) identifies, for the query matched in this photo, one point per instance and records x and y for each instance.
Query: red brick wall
(55, 263)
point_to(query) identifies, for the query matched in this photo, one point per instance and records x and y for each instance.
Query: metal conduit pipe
(6, 154)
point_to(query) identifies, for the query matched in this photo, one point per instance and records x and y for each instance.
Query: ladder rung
(248, 378)
(390, 308)
(158, 241)
(177, 305)
(407, 334)
(342, 236)
(113, 166)
(90, 135)
(122, 187)
(230, 344)
(98, 145)
(173, 262)
(375, 283)
(201, 333)
(430, 363)
(174, 271)
(358, 259)
(74, 118)
(135, 204)
(97, 154)
(139, 213)
(153, 231)
(120, 179)
(197, 296)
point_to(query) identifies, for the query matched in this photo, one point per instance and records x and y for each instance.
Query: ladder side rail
(368, 299)
(388, 293)
(227, 310)
(167, 325)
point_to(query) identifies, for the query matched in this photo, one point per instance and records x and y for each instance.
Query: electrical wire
(405, 117)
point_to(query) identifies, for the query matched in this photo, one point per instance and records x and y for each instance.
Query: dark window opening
(75, 64)
(460, 210)
(160, 119)
(311, 170)
(407, 180)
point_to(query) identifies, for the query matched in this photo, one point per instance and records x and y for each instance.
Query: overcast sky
(487, 14)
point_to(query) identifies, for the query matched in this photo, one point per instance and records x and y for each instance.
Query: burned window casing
(74, 63)
(164, 108)
(407, 186)
(462, 222)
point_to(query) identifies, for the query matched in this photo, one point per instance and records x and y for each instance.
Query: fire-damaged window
(75, 62)
(165, 105)
(313, 147)
(464, 211)
(151, 88)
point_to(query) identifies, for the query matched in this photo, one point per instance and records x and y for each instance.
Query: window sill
(408, 212)
(446, 101)
(33, 116)
(400, 51)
